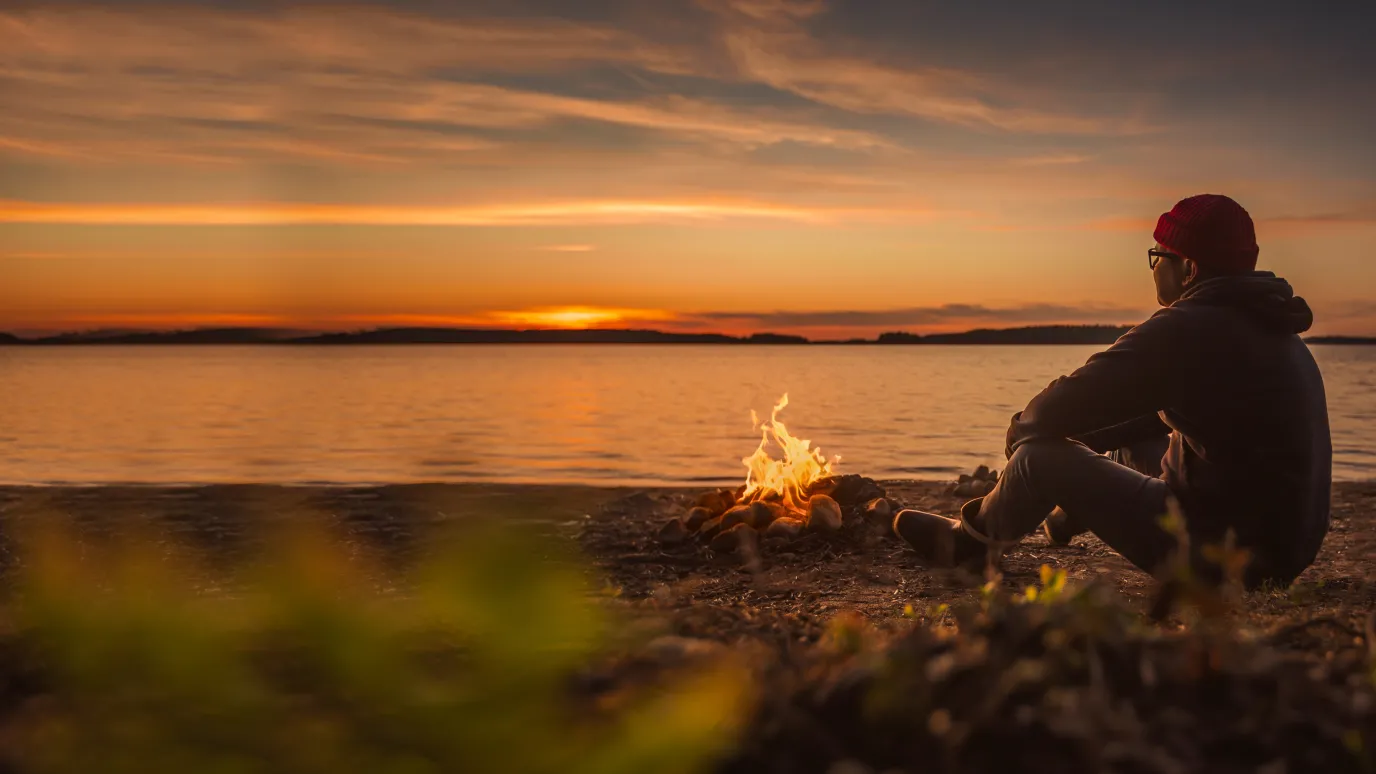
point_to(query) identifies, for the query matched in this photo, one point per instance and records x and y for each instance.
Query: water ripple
(610, 415)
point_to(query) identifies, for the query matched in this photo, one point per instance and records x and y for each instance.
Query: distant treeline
(399, 336)
(1341, 340)
(1036, 334)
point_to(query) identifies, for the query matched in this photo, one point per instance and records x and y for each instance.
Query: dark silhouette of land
(491, 336)
(196, 336)
(1341, 339)
(1036, 334)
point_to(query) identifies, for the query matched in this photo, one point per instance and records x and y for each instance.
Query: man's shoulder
(1172, 329)
(1167, 318)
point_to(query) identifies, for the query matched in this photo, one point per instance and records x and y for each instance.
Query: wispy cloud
(1299, 225)
(1052, 159)
(372, 85)
(33, 255)
(769, 43)
(568, 248)
(587, 212)
(594, 212)
(343, 85)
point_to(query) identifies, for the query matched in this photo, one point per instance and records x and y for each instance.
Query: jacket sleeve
(1128, 433)
(1139, 375)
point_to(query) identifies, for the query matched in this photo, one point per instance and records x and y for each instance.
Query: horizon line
(274, 335)
(309, 332)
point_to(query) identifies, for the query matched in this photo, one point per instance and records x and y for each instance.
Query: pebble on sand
(732, 539)
(740, 514)
(673, 532)
(975, 487)
(762, 514)
(786, 527)
(697, 517)
(879, 511)
(823, 514)
(715, 502)
(710, 528)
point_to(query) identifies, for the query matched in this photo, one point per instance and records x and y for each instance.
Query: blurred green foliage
(125, 660)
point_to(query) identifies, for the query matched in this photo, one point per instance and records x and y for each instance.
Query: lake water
(559, 414)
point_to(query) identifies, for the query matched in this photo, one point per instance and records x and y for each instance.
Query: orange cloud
(357, 85)
(1284, 225)
(770, 45)
(1051, 159)
(276, 213)
(1298, 225)
(569, 248)
(1115, 224)
(596, 212)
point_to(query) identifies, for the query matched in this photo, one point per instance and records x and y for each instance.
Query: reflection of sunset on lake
(606, 414)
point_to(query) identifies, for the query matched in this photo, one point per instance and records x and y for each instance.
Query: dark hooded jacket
(1224, 371)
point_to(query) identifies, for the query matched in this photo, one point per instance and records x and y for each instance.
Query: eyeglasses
(1154, 256)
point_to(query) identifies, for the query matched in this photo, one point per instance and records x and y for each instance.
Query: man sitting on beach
(1214, 402)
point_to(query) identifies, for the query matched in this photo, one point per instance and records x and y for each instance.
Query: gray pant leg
(1120, 505)
(1144, 456)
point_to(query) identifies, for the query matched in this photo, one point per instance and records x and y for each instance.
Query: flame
(786, 479)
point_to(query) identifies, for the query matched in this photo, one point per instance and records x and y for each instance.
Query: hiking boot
(1059, 529)
(941, 542)
(974, 530)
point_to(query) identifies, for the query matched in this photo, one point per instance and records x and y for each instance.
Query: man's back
(1223, 370)
(1252, 449)
(1224, 367)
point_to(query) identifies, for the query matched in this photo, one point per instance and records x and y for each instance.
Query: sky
(834, 169)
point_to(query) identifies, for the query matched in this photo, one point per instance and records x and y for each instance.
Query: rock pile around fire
(725, 523)
(981, 482)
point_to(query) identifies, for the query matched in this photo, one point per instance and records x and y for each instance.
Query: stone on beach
(879, 511)
(786, 528)
(715, 502)
(710, 528)
(849, 489)
(762, 514)
(823, 514)
(974, 487)
(733, 539)
(696, 517)
(739, 514)
(673, 532)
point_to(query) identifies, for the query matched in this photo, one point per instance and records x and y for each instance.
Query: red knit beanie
(1212, 230)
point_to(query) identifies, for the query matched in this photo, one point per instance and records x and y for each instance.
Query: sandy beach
(787, 595)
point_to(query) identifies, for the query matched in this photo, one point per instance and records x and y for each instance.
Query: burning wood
(789, 478)
(783, 498)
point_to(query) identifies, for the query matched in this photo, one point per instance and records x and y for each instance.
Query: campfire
(783, 498)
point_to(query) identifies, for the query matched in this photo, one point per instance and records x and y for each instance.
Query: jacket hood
(1264, 296)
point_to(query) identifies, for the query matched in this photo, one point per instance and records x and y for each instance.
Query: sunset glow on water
(543, 414)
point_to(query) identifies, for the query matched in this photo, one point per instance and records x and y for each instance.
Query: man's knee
(1030, 456)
